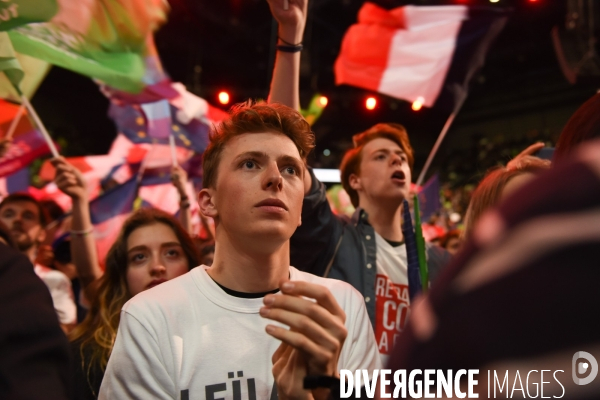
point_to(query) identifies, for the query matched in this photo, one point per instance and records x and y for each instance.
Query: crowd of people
(285, 293)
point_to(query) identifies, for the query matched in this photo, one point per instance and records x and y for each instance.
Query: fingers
(534, 148)
(327, 332)
(322, 360)
(320, 293)
(282, 351)
(296, 311)
(316, 328)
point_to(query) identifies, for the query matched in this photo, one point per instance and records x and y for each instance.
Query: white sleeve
(135, 369)
(59, 286)
(360, 348)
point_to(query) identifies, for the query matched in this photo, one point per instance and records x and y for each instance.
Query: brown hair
(17, 197)
(444, 240)
(583, 125)
(353, 157)
(489, 190)
(253, 117)
(98, 331)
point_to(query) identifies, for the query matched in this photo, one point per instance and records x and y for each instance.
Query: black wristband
(321, 381)
(288, 43)
(289, 49)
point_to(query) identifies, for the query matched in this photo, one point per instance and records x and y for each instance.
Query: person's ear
(354, 181)
(206, 203)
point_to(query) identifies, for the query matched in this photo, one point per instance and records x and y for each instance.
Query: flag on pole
(103, 39)
(9, 63)
(162, 109)
(418, 53)
(34, 72)
(27, 144)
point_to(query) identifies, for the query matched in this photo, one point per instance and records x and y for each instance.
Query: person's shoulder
(51, 277)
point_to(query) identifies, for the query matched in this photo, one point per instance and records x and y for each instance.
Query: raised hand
(179, 179)
(524, 156)
(68, 179)
(291, 20)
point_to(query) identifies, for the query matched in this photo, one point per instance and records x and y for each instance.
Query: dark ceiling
(227, 45)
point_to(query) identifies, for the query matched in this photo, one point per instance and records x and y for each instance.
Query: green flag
(15, 13)
(102, 39)
(9, 63)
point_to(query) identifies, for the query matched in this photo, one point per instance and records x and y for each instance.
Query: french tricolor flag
(423, 54)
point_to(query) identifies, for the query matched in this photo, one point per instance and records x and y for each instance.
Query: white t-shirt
(59, 286)
(392, 303)
(188, 339)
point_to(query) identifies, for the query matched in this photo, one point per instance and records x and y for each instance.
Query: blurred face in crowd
(23, 220)
(154, 256)
(384, 172)
(453, 245)
(259, 190)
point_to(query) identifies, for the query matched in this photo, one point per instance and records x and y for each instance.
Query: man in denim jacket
(368, 252)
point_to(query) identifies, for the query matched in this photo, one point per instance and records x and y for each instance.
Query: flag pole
(15, 122)
(172, 146)
(439, 140)
(40, 125)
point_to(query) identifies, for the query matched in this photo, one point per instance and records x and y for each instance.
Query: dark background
(519, 97)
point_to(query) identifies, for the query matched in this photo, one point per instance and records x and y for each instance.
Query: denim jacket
(342, 248)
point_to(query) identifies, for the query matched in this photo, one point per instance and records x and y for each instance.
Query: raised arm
(179, 179)
(286, 73)
(83, 247)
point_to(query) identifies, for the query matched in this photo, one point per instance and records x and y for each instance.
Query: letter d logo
(583, 367)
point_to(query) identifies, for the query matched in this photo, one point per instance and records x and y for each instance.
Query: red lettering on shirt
(391, 312)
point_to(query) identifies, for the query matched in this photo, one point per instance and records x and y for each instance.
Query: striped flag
(423, 54)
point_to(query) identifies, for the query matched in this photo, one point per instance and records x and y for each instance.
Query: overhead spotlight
(223, 97)
(323, 101)
(371, 103)
(418, 103)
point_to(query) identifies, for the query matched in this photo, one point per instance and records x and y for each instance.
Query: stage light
(326, 152)
(371, 103)
(323, 101)
(494, 1)
(223, 97)
(418, 103)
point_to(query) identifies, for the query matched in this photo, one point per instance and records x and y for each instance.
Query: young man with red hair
(368, 251)
(201, 334)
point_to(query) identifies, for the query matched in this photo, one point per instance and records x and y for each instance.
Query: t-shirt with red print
(391, 295)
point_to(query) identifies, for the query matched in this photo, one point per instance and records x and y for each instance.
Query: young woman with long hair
(152, 248)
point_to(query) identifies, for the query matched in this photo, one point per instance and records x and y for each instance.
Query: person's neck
(385, 218)
(244, 268)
